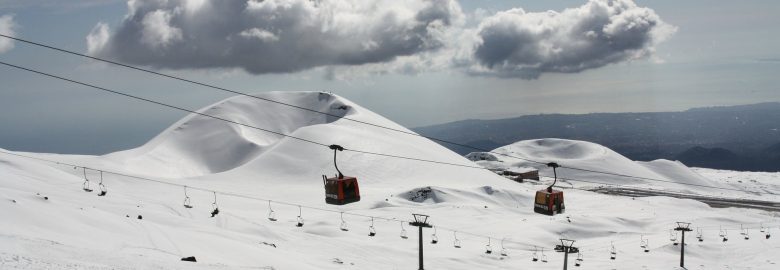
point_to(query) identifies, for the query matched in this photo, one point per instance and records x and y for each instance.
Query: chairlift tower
(683, 227)
(420, 221)
(566, 246)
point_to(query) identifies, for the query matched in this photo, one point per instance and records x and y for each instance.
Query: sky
(415, 62)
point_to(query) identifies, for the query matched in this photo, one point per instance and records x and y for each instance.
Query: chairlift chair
(724, 234)
(579, 260)
(271, 213)
(549, 201)
(488, 248)
(343, 226)
(340, 189)
(647, 245)
(403, 231)
(371, 230)
(503, 250)
(544, 257)
(699, 235)
(300, 218)
(612, 252)
(434, 238)
(456, 242)
(673, 237)
(85, 185)
(187, 203)
(103, 189)
(214, 205)
(767, 235)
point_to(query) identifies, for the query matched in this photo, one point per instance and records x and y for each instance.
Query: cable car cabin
(341, 190)
(549, 202)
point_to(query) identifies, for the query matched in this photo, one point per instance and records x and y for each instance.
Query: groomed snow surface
(73, 229)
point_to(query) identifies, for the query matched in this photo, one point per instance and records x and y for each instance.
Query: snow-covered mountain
(50, 223)
(592, 157)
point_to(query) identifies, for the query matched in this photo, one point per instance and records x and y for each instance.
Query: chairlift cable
(252, 96)
(319, 112)
(322, 144)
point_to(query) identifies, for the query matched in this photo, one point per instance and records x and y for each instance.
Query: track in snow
(709, 200)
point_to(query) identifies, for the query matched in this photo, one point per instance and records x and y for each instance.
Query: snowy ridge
(595, 157)
(199, 145)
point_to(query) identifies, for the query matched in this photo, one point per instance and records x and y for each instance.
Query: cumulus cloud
(516, 43)
(274, 36)
(7, 27)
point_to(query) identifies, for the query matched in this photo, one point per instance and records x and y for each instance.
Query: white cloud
(260, 34)
(7, 27)
(98, 37)
(354, 37)
(516, 43)
(276, 36)
(157, 31)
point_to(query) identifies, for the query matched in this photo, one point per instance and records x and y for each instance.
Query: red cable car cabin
(549, 202)
(341, 190)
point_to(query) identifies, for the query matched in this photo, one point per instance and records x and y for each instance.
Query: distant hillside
(729, 137)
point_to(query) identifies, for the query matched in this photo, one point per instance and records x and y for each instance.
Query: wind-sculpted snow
(198, 145)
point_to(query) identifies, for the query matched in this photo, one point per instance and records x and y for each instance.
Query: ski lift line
(767, 224)
(715, 228)
(207, 190)
(414, 159)
(266, 200)
(476, 235)
(333, 115)
(483, 236)
(315, 142)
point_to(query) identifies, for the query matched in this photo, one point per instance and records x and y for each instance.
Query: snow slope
(79, 230)
(594, 157)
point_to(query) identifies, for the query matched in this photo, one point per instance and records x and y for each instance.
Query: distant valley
(745, 137)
